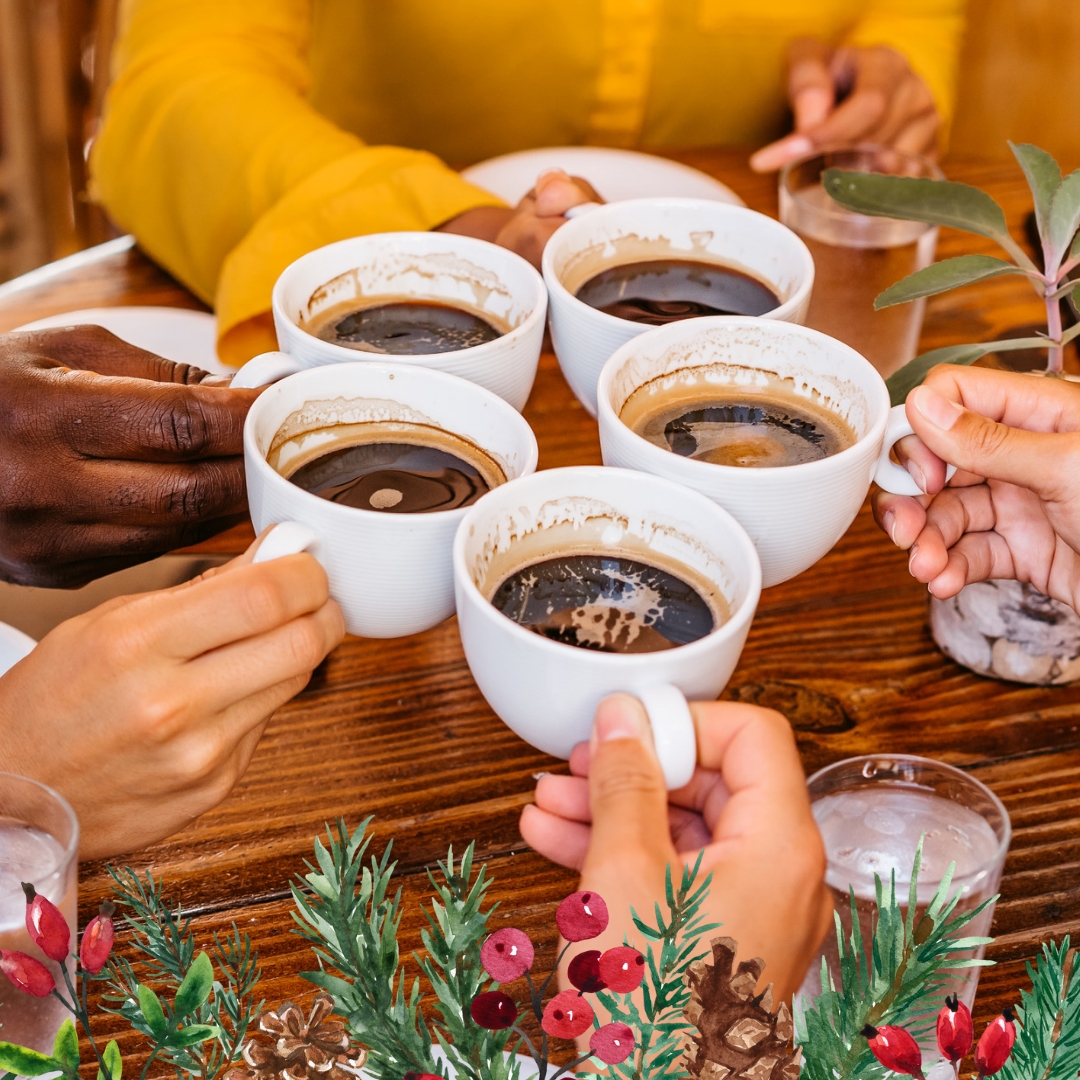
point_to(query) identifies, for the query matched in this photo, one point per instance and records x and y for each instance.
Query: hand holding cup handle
(890, 476)
(674, 737)
(286, 538)
(264, 369)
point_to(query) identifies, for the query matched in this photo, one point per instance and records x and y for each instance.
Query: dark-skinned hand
(109, 455)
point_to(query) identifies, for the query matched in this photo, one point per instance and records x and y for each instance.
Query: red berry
(494, 1010)
(622, 968)
(612, 1043)
(895, 1048)
(507, 954)
(48, 929)
(29, 975)
(582, 915)
(584, 972)
(567, 1015)
(995, 1044)
(420, 1076)
(97, 940)
(955, 1032)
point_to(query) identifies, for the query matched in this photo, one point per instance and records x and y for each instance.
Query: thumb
(627, 794)
(976, 444)
(556, 192)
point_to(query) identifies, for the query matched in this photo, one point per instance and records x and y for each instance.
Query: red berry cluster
(508, 955)
(48, 929)
(896, 1048)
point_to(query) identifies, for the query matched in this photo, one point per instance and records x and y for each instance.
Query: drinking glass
(872, 811)
(39, 840)
(856, 256)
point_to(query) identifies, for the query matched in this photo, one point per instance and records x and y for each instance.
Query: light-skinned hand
(528, 227)
(145, 711)
(746, 808)
(1012, 510)
(850, 95)
(109, 455)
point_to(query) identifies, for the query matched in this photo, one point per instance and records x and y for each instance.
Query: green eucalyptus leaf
(26, 1062)
(113, 1061)
(152, 1011)
(192, 1034)
(66, 1046)
(1064, 218)
(196, 987)
(902, 382)
(942, 276)
(1043, 177)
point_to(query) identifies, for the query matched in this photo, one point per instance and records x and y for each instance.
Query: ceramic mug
(794, 513)
(456, 270)
(547, 691)
(641, 229)
(391, 573)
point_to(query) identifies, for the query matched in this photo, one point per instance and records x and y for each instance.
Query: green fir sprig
(661, 1031)
(898, 982)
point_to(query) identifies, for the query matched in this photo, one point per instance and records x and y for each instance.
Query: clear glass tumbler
(39, 841)
(872, 811)
(856, 257)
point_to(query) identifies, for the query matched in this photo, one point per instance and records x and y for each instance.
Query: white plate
(14, 645)
(178, 334)
(616, 174)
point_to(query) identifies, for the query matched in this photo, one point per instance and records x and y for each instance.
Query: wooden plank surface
(398, 729)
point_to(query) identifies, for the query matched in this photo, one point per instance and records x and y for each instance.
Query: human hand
(1012, 510)
(850, 95)
(109, 455)
(145, 711)
(746, 809)
(528, 227)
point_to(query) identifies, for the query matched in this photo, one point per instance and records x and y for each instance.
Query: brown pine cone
(318, 1049)
(739, 1036)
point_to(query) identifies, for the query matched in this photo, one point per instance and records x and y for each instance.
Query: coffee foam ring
(673, 731)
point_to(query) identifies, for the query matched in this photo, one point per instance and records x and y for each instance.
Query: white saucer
(178, 334)
(14, 645)
(616, 174)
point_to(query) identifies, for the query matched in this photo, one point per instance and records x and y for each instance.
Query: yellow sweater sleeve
(927, 32)
(212, 156)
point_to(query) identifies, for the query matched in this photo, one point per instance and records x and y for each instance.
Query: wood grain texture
(398, 729)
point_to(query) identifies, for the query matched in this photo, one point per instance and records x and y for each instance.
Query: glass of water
(39, 841)
(872, 811)
(856, 256)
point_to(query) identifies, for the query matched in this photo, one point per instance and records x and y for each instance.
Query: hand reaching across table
(852, 95)
(746, 808)
(110, 455)
(1013, 508)
(145, 711)
(528, 227)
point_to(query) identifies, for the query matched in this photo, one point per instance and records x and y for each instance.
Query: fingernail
(917, 475)
(540, 775)
(548, 174)
(619, 717)
(940, 411)
(797, 145)
(889, 521)
(911, 556)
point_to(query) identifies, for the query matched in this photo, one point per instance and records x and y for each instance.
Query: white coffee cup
(644, 229)
(392, 574)
(547, 691)
(795, 513)
(456, 270)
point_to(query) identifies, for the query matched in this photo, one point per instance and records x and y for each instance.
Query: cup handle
(888, 475)
(673, 731)
(264, 369)
(286, 538)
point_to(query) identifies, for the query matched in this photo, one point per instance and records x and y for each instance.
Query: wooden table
(398, 729)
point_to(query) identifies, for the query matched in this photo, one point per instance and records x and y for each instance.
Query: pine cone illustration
(291, 1048)
(739, 1036)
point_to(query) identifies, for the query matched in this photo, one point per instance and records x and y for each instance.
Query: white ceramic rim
(345, 514)
(734, 625)
(411, 241)
(735, 322)
(71, 848)
(700, 206)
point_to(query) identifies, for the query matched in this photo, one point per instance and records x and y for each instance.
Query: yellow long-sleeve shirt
(240, 134)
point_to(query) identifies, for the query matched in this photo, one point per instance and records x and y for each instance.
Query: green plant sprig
(944, 202)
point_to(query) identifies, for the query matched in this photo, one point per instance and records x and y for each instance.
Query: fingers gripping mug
(543, 532)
